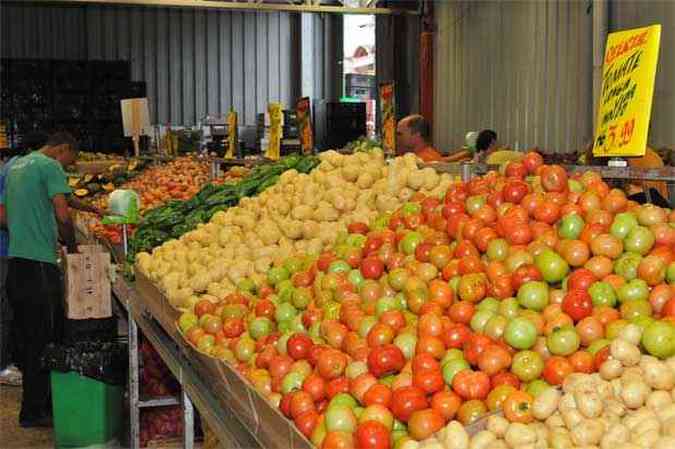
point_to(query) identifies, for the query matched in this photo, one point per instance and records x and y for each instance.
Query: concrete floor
(11, 435)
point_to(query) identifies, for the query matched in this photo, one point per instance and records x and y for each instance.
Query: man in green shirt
(36, 200)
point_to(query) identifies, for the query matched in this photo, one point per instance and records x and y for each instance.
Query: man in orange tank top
(413, 134)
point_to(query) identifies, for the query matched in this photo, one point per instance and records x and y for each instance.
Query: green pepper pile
(177, 217)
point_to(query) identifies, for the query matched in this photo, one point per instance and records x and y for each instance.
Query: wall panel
(523, 68)
(195, 62)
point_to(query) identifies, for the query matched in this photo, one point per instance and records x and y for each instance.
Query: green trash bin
(87, 413)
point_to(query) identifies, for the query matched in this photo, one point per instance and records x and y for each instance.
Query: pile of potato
(300, 214)
(628, 404)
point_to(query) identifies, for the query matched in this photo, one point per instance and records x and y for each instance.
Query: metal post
(124, 240)
(466, 172)
(188, 422)
(600, 30)
(134, 410)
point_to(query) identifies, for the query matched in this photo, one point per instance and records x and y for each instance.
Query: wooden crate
(96, 167)
(157, 305)
(88, 283)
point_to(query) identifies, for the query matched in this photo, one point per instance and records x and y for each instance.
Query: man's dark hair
(62, 138)
(419, 125)
(485, 139)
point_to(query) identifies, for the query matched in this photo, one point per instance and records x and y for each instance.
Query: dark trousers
(35, 290)
(6, 334)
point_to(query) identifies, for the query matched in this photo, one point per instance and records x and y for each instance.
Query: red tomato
(424, 423)
(601, 357)
(504, 378)
(387, 359)
(336, 386)
(469, 384)
(514, 191)
(307, 422)
(430, 381)
(338, 440)
(372, 268)
(358, 228)
(371, 246)
(462, 312)
(554, 178)
(494, 359)
(301, 402)
(446, 403)
(532, 161)
(556, 369)
(298, 346)
(359, 385)
(523, 274)
(265, 308)
(372, 435)
(515, 170)
(315, 385)
(475, 346)
(577, 304)
(378, 394)
(581, 279)
(285, 405)
(406, 400)
(456, 335)
(331, 364)
(325, 260)
(669, 308)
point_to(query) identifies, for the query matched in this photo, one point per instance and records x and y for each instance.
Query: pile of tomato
(451, 308)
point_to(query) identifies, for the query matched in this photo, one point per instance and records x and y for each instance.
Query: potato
(497, 425)
(665, 443)
(572, 418)
(631, 333)
(634, 394)
(567, 402)
(658, 376)
(482, 440)
(627, 353)
(668, 427)
(614, 435)
(589, 403)
(455, 436)
(611, 369)
(498, 444)
(588, 432)
(658, 399)
(554, 421)
(646, 440)
(546, 403)
(666, 413)
(560, 439)
(518, 435)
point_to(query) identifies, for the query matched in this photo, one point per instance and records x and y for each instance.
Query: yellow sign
(388, 112)
(276, 122)
(232, 135)
(303, 113)
(625, 105)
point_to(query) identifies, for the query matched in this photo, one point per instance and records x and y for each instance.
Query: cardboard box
(87, 283)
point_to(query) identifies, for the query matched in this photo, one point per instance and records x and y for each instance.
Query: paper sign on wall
(303, 113)
(388, 114)
(625, 107)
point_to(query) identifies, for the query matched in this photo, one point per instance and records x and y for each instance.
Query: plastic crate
(86, 412)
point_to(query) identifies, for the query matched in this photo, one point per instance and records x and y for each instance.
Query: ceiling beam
(254, 5)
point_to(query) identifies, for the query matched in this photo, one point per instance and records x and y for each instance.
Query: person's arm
(66, 229)
(81, 205)
(3, 217)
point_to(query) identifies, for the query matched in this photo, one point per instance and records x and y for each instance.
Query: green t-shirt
(32, 182)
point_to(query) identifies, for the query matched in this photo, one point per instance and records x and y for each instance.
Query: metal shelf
(158, 402)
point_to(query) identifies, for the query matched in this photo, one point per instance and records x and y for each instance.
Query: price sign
(232, 134)
(304, 117)
(276, 123)
(388, 113)
(628, 75)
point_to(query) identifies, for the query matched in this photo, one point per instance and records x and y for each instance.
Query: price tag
(625, 106)
(303, 113)
(276, 123)
(388, 114)
(232, 134)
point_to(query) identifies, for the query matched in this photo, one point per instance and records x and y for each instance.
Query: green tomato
(296, 324)
(291, 382)
(302, 296)
(452, 367)
(575, 186)
(315, 330)
(635, 290)
(401, 302)
(410, 241)
(520, 333)
(626, 265)
(509, 308)
(285, 312)
(293, 264)
(356, 240)
(490, 304)
(642, 321)
(452, 354)
(614, 328)
(340, 419)
(533, 295)
(475, 202)
(623, 223)
(537, 387)
(282, 343)
(339, 266)
(187, 321)
(356, 278)
(498, 249)
(343, 399)
(454, 283)
(670, 273)
(380, 223)
(277, 274)
(527, 365)
(571, 226)
(260, 327)
(356, 368)
(398, 426)
(553, 268)
(659, 339)
(247, 285)
(495, 327)
(331, 310)
(597, 345)
(634, 309)
(639, 240)
(385, 304)
(244, 349)
(366, 325)
(480, 319)
(602, 294)
(406, 343)
(411, 208)
(564, 341)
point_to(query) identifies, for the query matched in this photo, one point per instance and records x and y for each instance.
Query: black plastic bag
(103, 361)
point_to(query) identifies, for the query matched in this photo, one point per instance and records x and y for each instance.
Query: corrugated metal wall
(521, 68)
(327, 56)
(635, 14)
(195, 62)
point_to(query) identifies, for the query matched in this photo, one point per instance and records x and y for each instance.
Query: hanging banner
(388, 114)
(303, 112)
(232, 135)
(625, 107)
(276, 123)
